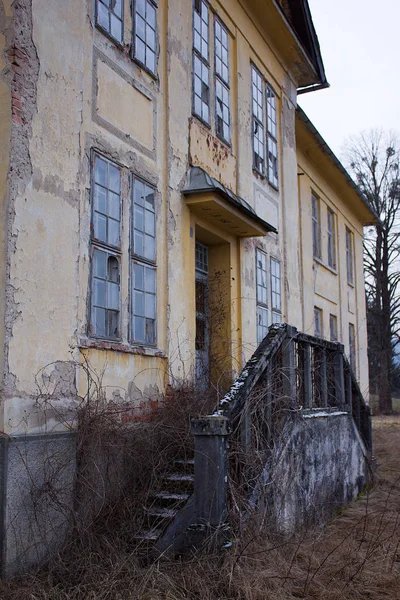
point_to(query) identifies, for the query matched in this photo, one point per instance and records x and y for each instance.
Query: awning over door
(218, 205)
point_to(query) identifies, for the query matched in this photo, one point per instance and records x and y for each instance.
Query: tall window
(272, 144)
(201, 68)
(222, 113)
(145, 33)
(262, 295)
(109, 15)
(258, 120)
(316, 227)
(331, 239)
(352, 346)
(333, 328)
(143, 258)
(276, 299)
(259, 117)
(318, 322)
(349, 256)
(105, 249)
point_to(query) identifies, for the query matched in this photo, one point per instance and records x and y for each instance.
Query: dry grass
(356, 556)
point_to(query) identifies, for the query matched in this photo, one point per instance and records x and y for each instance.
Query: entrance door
(202, 317)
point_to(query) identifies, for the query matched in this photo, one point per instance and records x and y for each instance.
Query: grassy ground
(356, 556)
(374, 404)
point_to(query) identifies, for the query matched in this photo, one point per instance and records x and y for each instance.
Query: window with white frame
(276, 298)
(331, 236)
(333, 328)
(262, 295)
(110, 17)
(222, 112)
(272, 142)
(143, 260)
(145, 33)
(258, 120)
(318, 322)
(105, 249)
(201, 65)
(316, 226)
(349, 256)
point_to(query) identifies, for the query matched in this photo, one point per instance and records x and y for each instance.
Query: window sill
(99, 344)
(202, 121)
(112, 39)
(327, 267)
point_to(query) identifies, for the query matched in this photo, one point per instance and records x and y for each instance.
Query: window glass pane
(99, 292)
(140, 27)
(150, 331)
(151, 280)
(113, 232)
(139, 328)
(149, 199)
(118, 8)
(138, 192)
(140, 50)
(138, 243)
(151, 15)
(150, 306)
(116, 28)
(139, 277)
(113, 205)
(100, 199)
(100, 171)
(138, 218)
(112, 323)
(103, 16)
(99, 321)
(138, 306)
(100, 227)
(150, 37)
(150, 60)
(141, 7)
(149, 223)
(113, 296)
(99, 264)
(149, 247)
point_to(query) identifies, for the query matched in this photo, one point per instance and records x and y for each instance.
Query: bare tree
(373, 160)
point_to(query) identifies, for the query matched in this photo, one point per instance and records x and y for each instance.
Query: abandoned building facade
(164, 201)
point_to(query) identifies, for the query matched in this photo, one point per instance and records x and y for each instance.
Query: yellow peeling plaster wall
(50, 267)
(324, 287)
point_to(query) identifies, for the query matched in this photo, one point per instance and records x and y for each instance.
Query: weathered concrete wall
(36, 504)
(320, 466)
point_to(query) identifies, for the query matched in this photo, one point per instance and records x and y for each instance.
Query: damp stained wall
(81, 92)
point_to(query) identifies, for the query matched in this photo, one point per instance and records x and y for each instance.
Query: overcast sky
(360, 45)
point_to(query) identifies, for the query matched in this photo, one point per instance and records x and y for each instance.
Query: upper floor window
(349, 256)
(109, 15)
(201, 68)
(276, 298)
(262, 295)
(316, 227)
(145, 33)
(272, 143)
(260, 116)
(258, 120)
(222, 112)
(331, 234)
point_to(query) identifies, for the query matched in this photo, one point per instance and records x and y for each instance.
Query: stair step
(185, 461)
(163, 513)
(180, 477)
(148, 535)
(171, 497)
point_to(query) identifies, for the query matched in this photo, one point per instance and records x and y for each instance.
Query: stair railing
(304, 373)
